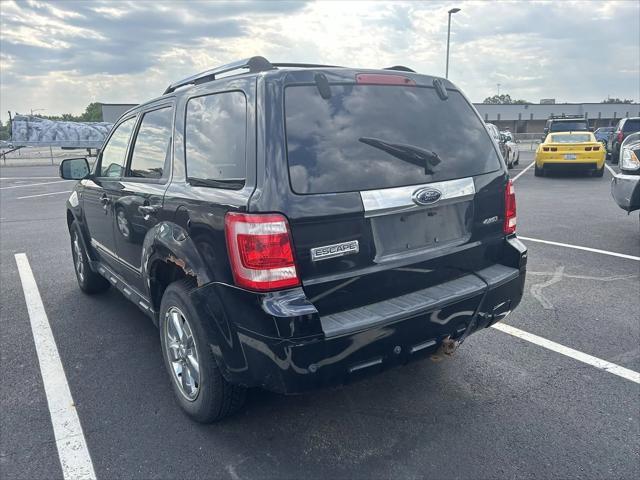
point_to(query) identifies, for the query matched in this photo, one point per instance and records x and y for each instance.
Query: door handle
(148, 210)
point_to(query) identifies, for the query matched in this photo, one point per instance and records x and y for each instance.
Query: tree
(504, 99)
(616, 100)
(93, 113)
(4, 131)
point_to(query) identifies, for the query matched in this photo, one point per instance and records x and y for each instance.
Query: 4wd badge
(336, 250)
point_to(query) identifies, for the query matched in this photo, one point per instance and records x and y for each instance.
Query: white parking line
(26, 178)
(523, 170)
(72, 448)
(34, 184)
(611, 170)
(578, 247)
(570, 352)
(42, 195)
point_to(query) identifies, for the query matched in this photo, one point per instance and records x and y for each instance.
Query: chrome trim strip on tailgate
(399, 199)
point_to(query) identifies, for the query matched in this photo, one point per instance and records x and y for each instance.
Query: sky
(61, 55)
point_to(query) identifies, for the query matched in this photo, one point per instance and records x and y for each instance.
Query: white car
(511, 151)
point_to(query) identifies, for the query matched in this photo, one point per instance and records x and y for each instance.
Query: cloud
(62, 55)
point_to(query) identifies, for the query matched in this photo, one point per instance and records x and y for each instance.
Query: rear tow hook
(447, 347)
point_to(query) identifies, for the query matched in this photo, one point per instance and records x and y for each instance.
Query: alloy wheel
(182, 353)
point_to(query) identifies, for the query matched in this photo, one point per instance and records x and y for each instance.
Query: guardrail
(38, 156)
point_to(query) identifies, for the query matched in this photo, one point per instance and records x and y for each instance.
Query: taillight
(545, 149)
(553, 149)
(588, 149)
(595, 149)
(509, 225)
(260, 251)
(620, 137)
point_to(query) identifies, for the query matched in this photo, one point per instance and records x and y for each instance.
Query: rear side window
(152, 145)
(215, 140)
(114, 152)
(367, 137)
(631, 125)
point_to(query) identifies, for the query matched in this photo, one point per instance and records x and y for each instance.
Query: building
(112, 111)
(531, 118)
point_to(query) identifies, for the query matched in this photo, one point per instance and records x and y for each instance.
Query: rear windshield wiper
(408, 153)
(209, 182)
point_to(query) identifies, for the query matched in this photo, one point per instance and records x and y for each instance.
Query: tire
(599, 172)
(89, 281)
(538, 172)
(202, 392)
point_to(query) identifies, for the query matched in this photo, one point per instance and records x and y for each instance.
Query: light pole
(452, 11)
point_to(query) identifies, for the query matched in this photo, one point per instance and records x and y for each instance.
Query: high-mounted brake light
(509, 225)
(383, 79)
(260, 251)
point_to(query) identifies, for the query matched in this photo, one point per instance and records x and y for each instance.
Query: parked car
(625, 187)
(626, 126)
(570, 151)
(603, 134)
(299, 226)
(502, 142)
(565, 123)
(511, 147)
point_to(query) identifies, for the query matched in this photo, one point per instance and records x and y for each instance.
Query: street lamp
(453, 10)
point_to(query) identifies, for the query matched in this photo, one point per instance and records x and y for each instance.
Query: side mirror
(74, 168)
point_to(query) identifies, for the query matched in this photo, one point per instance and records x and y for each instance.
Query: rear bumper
(625, 190)
(356, 343)
(571, 166)
(582, 161)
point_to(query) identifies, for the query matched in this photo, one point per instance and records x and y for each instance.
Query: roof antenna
(323, 85)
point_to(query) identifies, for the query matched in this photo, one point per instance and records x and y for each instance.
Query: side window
(113, 154)
(152, 145)
(215, 140)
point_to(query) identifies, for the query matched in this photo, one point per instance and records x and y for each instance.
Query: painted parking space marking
(34, 184)
(596, 362)
(611, 170)
(578, 247)
(523, 171)
(70, 442)
(27, 178)
(42, 195)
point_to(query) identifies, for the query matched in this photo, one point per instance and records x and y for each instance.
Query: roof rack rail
(553, 117)
(254, 64)
(304, 65)
(401, 68)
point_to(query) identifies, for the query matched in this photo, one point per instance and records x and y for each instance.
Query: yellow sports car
(570, 151)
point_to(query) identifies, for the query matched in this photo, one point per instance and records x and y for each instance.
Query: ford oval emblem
(426, 196)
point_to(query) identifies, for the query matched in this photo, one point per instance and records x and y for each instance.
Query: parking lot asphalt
(501, 407)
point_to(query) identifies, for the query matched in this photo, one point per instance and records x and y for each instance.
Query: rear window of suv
(569, 127)
(631, 125)
(367, 137)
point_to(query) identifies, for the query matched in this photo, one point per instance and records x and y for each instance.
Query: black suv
(625, 127)
(565, 123)
(295, 226)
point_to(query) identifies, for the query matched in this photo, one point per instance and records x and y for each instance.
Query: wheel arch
(170, 254)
